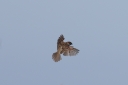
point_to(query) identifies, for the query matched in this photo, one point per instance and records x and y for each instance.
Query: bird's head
(70, 43)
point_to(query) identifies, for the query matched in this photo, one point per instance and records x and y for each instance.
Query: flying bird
(64, 48)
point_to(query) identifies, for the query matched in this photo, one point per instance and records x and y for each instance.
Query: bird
(64, 48)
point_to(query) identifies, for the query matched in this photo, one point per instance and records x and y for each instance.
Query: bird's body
(64, 48)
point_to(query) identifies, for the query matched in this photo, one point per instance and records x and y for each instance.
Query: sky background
(29, 30)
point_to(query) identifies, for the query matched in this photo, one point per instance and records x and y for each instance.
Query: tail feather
(56, 56)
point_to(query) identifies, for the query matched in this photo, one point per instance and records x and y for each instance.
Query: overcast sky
(29, 30)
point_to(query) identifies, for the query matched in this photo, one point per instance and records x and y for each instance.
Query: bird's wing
(71, 51)
(60, 41)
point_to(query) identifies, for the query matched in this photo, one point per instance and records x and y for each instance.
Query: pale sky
(29, 30)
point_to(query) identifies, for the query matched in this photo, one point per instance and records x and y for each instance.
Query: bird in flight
(64, 48)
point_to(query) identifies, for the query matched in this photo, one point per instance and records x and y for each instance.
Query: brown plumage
(64, 48)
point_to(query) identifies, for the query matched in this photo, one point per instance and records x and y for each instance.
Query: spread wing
(60, 41)
(71, 51)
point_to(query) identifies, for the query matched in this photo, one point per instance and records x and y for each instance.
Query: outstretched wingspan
(64, 48)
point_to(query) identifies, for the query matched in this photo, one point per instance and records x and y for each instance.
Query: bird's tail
(56, 56)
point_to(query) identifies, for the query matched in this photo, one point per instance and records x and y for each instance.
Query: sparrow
(64, 48)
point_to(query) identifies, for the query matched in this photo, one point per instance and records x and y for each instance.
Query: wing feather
(60, 41)
(71, 51)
